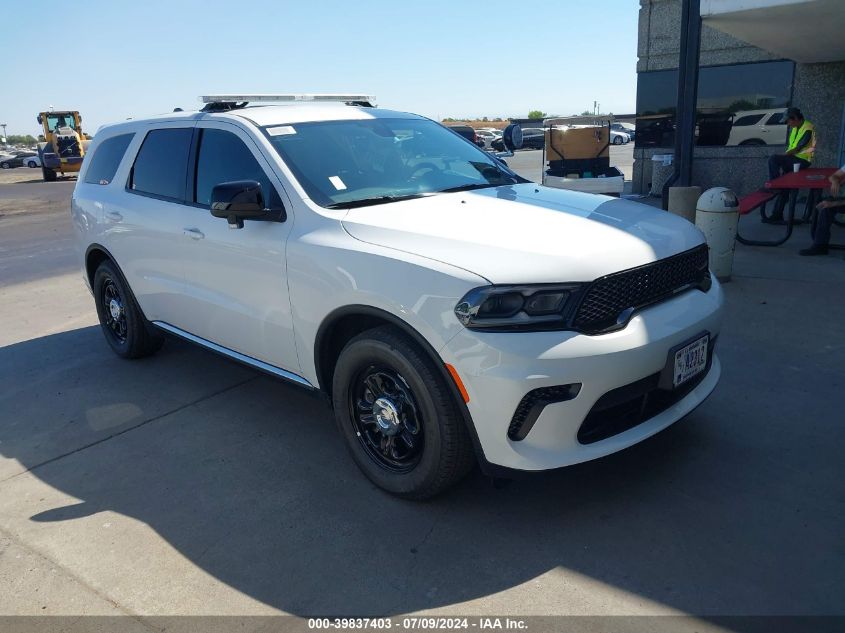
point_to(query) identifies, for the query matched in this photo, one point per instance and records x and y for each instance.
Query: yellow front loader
(64, 146)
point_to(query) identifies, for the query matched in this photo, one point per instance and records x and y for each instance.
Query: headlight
(533, 307)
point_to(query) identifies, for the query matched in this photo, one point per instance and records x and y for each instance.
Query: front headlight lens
(541, 303)
(530, 307)
(501, 306)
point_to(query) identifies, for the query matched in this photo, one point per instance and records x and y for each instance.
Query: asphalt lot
(186, 484)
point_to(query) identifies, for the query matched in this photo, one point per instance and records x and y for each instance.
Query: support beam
(685, 112)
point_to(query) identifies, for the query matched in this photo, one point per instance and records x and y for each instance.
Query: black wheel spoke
(407, 438)
(374, 385)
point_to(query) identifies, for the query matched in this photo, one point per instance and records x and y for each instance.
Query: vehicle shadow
(247, 478)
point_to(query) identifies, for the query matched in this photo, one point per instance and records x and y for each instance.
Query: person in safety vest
(800, 146)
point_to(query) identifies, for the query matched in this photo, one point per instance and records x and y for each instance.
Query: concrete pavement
(185, 484)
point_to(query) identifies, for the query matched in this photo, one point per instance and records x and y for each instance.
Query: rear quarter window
(776, 119)
(104, 161)
(750, 119)
(161, 165)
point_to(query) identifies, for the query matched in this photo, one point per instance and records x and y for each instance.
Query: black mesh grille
(608, 298)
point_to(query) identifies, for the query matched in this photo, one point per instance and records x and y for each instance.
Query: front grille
(532, 405)
(625, 407)
(609, 301)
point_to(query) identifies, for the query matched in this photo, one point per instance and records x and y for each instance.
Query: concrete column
(682, 201)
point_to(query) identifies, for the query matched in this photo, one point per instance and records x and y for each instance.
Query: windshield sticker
(281, 130)
(337, 182)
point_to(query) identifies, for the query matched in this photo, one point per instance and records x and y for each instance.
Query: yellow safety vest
(795, 135)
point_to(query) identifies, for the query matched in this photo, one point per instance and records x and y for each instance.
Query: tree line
(23, 139)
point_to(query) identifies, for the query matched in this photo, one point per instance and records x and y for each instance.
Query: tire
(49, 174)
(32, 164)
(126, 330)
(5, 165)
(430, 449)
(617, 140)
(755, 142)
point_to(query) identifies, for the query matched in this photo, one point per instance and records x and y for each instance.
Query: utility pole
(3, 125)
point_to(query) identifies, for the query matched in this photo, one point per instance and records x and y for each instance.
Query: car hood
(526, 233)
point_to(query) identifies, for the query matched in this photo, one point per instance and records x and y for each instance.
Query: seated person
(827, 210)
(801, 145)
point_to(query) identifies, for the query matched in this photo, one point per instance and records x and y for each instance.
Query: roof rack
(225, 102)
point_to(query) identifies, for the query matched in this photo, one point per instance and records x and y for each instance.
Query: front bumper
(498, 369)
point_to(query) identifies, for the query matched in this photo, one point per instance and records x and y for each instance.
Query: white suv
(451, 310)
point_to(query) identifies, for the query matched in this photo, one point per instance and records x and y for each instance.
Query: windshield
(372, 161)
(60, 120)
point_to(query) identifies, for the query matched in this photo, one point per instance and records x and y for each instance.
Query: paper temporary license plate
(691, 360)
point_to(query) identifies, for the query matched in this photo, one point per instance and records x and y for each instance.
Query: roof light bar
(271, 98)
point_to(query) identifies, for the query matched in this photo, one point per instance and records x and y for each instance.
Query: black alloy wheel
(399, 416)
(386, 418)
(124, 326)
(115, 310)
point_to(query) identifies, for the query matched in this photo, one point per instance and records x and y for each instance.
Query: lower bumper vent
(632, 404)
(532, 405)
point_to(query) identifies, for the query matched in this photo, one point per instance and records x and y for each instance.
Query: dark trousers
(780, 164)
(824, 220)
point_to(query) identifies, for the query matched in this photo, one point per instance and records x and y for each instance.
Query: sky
(460, 58)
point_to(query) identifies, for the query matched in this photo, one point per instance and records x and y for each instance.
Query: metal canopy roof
(806, 31)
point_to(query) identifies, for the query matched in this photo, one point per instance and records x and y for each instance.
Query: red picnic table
(786, 188)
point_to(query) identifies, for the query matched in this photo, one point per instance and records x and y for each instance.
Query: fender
(364, 310)
(90, 274)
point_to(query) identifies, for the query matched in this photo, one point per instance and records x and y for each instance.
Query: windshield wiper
(475, 185)
(366, 202)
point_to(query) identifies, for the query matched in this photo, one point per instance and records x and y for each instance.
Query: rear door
(236, 279)
(143, 224)
(775, 128)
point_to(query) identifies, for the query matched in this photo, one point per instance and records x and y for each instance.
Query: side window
(750, 119)
(161, 165)
(223, 157)
(105, 159)
(776, 119)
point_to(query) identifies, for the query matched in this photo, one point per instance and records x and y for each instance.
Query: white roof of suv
(262, 115)
(282, 114)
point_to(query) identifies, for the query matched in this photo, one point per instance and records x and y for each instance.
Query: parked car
(533, 138)
(468, 133)
(619, 138)
(758, 127)
(30, 159)
(10, 162)
(488, 136)
(450, 310)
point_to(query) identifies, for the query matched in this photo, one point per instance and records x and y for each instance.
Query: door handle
(194, 234)
(114, 216)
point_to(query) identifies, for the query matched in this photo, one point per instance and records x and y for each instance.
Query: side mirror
(512, 137)
(237, 201)
(40, 120)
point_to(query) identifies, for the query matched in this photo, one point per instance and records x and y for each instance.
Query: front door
(236, 279)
